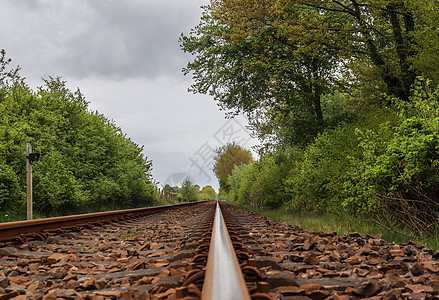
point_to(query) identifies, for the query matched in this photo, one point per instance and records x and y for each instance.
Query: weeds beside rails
(345, 224)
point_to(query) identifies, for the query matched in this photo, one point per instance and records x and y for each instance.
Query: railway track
(202, 251)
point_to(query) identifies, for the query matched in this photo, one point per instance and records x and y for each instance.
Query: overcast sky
(125, 57)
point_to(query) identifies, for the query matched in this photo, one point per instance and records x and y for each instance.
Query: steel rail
(224, 279)
(12, 230)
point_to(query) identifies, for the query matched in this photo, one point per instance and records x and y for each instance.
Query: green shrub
(204, 197)
(398, 178)
(261, 184)
(316, 182)
(86, 162)
(316, 185)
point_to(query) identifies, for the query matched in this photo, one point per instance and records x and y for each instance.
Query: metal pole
(28, 182)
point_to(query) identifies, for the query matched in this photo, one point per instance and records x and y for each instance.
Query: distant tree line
(342, 95)
(87, 163)
(189, 192)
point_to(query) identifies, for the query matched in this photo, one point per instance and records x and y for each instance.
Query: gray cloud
(125, 57)
(113, 39)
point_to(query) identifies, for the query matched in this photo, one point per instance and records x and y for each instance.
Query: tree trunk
(317, 92)
(403, 49)
(393, 82)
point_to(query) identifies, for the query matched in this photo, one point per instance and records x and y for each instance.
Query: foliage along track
(164, 256)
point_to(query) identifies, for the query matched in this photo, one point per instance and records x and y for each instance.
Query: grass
(6, 218)
(345, 224)
(17, 216)
(162, 202)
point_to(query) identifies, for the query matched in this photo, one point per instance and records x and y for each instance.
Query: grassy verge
(163, 202)
(344, 225)
(7, 217)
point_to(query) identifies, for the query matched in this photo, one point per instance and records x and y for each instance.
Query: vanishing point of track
(204, 251)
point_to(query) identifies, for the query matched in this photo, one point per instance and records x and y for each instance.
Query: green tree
(381, 39)
(275, 59)
(209, 191)
(246, 61)
(167, 189)
(188, 191)
(263, 183)
(87, 162)
(226, 158)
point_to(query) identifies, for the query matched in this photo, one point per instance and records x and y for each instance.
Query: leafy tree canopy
(226, 158)
(275, 59)
(209, 190)
(189, 191)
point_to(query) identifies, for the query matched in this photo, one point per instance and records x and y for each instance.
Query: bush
(398, 179)
(188, 191)
(86, 162)
(382, 164)
(261, 184)
(317, 180)
(316, 185)
(204, 197)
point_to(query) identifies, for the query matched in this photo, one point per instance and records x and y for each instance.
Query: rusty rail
(15, 230)
(224, 279)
